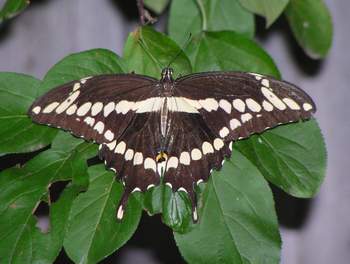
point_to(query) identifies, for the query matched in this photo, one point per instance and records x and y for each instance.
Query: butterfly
(178, 130)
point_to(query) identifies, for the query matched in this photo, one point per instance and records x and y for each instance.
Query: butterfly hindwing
(194, 151)
(132, 156)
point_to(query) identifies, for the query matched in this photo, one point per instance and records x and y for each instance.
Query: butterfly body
(176, 129)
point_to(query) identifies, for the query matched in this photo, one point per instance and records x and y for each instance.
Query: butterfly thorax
(167, 82)
(167, 85)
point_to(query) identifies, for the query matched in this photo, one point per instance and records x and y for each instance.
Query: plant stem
(145, 16)
(204, 16)
(141, 8)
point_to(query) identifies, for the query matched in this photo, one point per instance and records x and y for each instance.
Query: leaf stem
(204, 16)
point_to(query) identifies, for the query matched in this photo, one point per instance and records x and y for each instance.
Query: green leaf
(175, 207)
(152, 200)
(293, 157)
(311, 24)
(94, 231)
(237, 220)
(193, 16)
(147, 52)
(176, 211)
(270, 9)
(157, 6)
(227, 50)
(80, 152)
(12, 8)
(47, 246)
(17, 132)
(21, 191)
(82, 64)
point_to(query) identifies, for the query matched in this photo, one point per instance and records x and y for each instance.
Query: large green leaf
(176, 210)
(193, 16)
(293, 157)
(157, 6)
(94, 231)
(147, 52)
(82, 64)
(270, 9)
(311, 24)
(11, 8)
(21, 190)
(227, 50)
(76, 165)
(237, 223)
(152, 200)
(48, 245)
(175, 207)
(17, 132)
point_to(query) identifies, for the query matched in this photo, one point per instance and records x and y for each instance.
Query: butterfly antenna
(188, 41)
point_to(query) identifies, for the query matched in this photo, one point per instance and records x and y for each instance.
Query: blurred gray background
(313, 231)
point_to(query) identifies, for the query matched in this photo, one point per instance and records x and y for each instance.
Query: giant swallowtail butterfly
(178, 129)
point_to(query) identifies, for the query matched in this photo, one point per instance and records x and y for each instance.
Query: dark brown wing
(235, 105)
(114, 111)
(213, 109)
(194, 150)
(133, 155)
(94, 108)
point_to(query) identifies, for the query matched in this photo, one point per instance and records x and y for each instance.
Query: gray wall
(50, 30)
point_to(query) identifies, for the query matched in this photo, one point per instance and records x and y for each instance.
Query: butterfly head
(167, 75)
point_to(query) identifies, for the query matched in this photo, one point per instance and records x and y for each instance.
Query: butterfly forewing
(180, 129)
(95, 108)
(235, 105)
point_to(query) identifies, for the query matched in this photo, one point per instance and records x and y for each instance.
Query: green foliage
(93, 232)
(237, 219)
(17, 131)
(270, 9)
(236, 210)
(12, 8)
(228, 50)
(311, 24)
(22, 190)
(156, 50)
(157, 6)
(82, 64)
(283, 157)
(212, 15)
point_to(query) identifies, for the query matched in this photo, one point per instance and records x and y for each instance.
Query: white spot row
(195, 154)
(173, 162)
(137, 157)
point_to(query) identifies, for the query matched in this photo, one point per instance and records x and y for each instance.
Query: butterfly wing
(209, 110)
(123, 114)
(194, 150)
(235, 105)
(133, 154)
(112, 110)
(86, 107)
